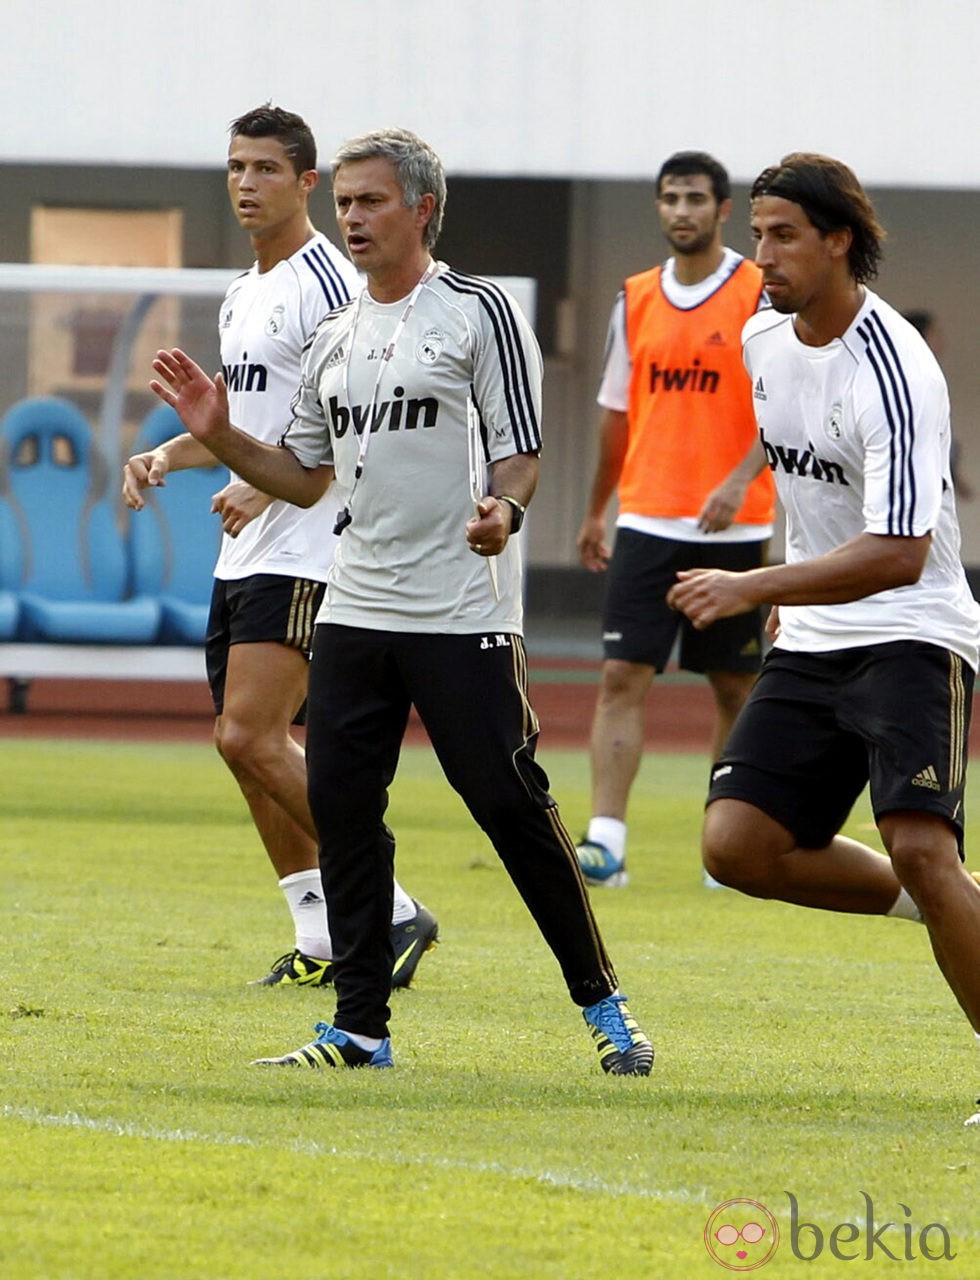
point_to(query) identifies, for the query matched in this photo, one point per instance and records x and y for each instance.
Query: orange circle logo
(741, 1235)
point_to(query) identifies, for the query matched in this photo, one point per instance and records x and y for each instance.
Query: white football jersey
(266, 320)
(857, 436)
(403, 563)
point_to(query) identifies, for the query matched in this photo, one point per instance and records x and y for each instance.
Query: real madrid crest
(835, 423)
(276, 322)
(430, 348)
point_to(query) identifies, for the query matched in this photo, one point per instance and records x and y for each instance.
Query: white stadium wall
(567, 87)
(128, 102)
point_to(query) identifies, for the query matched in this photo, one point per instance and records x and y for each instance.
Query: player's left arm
(507, 371)
(906, 452)
(724, 502)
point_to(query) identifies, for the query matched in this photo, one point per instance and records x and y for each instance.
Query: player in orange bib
(676, 440)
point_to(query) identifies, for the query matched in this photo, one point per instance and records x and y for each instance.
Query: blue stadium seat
(71, 574)
(175, 539)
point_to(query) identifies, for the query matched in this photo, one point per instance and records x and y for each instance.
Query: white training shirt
(614, 393)
(403, 564)
(857, 436)
(266, 319)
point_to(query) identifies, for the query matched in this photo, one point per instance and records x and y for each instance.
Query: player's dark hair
(685, 164)
(832, 198)
(417, 167)
(286, 127)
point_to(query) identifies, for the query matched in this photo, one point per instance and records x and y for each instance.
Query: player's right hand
(142, 471)
(705, 595)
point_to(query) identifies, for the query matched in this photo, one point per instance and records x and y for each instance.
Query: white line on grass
(305, 1147)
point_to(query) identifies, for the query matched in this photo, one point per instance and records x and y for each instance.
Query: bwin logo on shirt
(395, 415)
(693, 378)
(244, 376)
(789, 459)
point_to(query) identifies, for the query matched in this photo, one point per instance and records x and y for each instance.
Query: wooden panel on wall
(72, 335)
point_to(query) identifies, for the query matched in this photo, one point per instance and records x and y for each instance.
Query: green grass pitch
(797, 1052)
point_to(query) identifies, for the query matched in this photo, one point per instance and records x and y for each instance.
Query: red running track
(679, 710)
(563, 695)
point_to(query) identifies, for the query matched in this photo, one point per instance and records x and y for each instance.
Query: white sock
(903, 908)
(610, 832)
(368, 1043)
(977, 1038)
(404, 909)
(304, 896)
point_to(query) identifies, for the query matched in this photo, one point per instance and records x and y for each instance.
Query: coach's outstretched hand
(201, 403)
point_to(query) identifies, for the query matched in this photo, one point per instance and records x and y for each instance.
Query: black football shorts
(266, 607)
(639, 626)
(818, 727)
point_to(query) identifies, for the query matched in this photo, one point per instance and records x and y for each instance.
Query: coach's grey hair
(417, 167)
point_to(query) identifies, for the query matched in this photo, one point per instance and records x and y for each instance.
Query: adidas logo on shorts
(927, 778)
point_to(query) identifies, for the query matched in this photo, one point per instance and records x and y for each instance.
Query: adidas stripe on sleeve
(507, 366)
